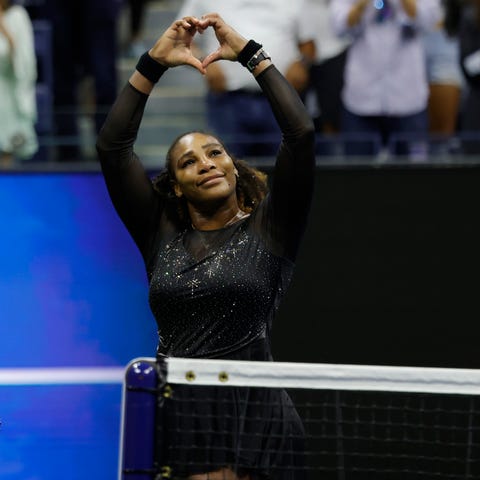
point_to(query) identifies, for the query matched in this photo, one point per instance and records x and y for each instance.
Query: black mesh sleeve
(128, 184)
(293, 179)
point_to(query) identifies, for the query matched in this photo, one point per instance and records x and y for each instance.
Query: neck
(238, 216)
(214, 224)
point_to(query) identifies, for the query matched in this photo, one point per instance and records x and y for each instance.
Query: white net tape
(323, 376)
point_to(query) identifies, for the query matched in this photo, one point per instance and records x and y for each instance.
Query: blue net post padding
(139, 431)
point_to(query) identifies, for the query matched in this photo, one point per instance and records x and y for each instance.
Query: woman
(18, 74)
(219, 250)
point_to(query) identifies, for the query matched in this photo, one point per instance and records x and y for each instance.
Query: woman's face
(203, 170)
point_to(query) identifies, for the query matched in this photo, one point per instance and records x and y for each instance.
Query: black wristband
(149, 68)
(248, 51)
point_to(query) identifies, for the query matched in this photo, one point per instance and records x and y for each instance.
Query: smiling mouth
(210, 179)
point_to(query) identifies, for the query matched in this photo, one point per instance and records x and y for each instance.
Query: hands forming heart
(174, 47)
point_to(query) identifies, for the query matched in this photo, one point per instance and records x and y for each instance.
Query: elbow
(107, 142)
(101, 148)
(302, 137)
(106, 153)
(102, 142)
(306, 131)
(309, 140)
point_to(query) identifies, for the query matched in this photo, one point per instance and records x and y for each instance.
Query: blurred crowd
(396, 76)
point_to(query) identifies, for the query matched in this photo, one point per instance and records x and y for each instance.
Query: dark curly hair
(251, 187)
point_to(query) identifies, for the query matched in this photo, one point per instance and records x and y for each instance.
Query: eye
(215, 152)
(187, 162)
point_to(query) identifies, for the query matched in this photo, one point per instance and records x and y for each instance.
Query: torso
(214, 292)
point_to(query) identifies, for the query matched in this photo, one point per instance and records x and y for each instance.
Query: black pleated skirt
(250, 430)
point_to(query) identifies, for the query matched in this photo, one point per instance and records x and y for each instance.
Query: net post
(163, 393)
(139, 409)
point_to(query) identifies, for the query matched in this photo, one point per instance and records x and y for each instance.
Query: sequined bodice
(210, 306)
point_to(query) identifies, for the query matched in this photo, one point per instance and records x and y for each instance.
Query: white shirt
(279, 25)
(328, 44)
(385, 73)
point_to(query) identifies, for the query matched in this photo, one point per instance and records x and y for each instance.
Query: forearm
(294, 169)
(293, 178)
(147, 73)
(117, 136)
(294, 120)
(128, 184)
(141, 83)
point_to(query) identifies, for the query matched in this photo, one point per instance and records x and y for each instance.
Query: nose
(205, 164)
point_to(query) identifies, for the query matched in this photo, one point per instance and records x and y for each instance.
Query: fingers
(201, 24)
(195, 63)
(211, 19)
(211, 57)
(215, 21)
(186, 22)
(190, 23)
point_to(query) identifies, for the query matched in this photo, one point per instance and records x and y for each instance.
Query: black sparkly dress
(214, 294)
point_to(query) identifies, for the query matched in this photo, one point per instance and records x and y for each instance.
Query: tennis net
(360, 421)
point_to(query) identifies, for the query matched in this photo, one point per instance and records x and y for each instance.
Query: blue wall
(73, 293)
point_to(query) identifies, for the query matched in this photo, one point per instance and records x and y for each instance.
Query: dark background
(388, 271)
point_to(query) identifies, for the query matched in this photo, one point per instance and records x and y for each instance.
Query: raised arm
(292, 187)
(128, 184)
(294, 174)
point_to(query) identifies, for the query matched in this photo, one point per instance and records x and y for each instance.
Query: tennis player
(219, 244)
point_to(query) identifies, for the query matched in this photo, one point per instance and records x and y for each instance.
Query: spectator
(444, 73)
(84, 46)
(236, 108)
(469, 38)
(327, 69)
(18, 74)
(386, 87)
